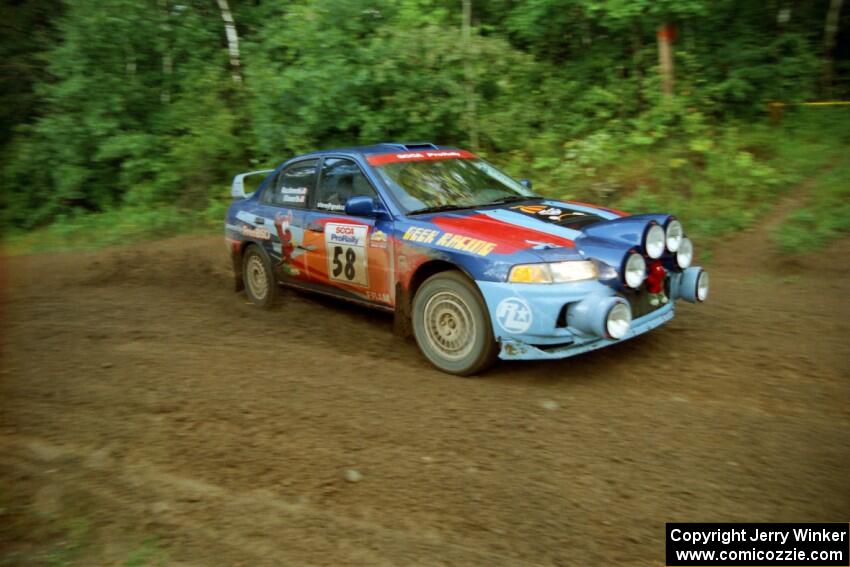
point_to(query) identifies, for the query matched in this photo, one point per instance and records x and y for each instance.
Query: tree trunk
(829, 33)
(165, 46)
(666, 35)
(471, 106)
(232, 40)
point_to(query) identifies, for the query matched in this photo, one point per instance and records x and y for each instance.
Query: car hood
(537, 230)
(549, 229)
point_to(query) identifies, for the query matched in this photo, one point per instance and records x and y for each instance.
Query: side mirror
(237, 189)
(525, 183)
(363, 206)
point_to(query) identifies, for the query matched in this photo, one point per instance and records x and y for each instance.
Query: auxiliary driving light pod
(674, 235)
(693, 285)
(634, 270)
(606, 316)
(655, 241)
(685, 254)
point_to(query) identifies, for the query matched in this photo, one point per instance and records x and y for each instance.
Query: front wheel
(452, 326)
(260, 284)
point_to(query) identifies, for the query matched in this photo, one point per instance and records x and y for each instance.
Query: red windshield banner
(430, 155)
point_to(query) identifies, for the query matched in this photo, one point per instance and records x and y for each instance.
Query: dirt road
(141, 395)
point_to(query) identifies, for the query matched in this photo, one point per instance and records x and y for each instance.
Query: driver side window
(341, 179)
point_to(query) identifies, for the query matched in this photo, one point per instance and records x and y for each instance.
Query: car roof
(381, 148)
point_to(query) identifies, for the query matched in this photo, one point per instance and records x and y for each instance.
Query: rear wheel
(452, 326)
(260, 284)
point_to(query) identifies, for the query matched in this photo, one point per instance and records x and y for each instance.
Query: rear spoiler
(237, 190)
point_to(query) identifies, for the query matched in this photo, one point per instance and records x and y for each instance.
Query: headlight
(675, 233)
(555, 272)
(573, 271)
(634, 271)
(654, 242)
(685, 253)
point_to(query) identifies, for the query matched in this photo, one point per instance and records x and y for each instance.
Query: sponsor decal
(258, 233)
(551, 213)
(294, 198)
(282, 223)
(466, 244)
(378, 239)
(330, 207)
(293, 190)
(383, 297)
(422, 235)
(430, 155)
(514, 315)
(345, 245)
(449, 240)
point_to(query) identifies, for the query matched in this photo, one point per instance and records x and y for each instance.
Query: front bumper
(529, 319)
(512, 349)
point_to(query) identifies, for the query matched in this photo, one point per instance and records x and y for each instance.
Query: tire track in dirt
(175, 496)
(159, 385)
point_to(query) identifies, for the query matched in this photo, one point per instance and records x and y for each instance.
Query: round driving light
(635, 270)
(618, 321)
(702, 286)
(675, 233)
(654, 242)
(685, 254)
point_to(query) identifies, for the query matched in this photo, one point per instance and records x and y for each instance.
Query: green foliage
(824, 217)
(126, 109)
(716, 179)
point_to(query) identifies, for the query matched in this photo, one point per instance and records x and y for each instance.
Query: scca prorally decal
(345, 245)
(449, 240)
(351, 234)
(514, 315)
(383, 159)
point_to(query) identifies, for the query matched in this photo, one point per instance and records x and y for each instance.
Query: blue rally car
(472, 263)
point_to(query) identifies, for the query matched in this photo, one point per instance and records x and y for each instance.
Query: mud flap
(402, 324)
(238, 282)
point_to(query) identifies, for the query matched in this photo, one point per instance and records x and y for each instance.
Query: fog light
(618, 321)
(702, 286)
(692, 285)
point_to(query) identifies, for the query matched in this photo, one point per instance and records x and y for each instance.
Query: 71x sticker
(345, 245)
(514, 315)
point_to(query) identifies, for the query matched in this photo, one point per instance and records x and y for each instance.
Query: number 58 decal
(345, 245)
(348, 268)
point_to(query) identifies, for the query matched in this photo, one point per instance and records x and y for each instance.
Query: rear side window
(293, 185)
(341, 180)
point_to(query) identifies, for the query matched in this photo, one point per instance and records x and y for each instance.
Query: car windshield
(422, 185)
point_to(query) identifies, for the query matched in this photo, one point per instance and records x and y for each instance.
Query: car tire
(260, 282)
(452, 326)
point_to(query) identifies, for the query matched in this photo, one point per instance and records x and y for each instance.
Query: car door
(348, 256)
(279, 216)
